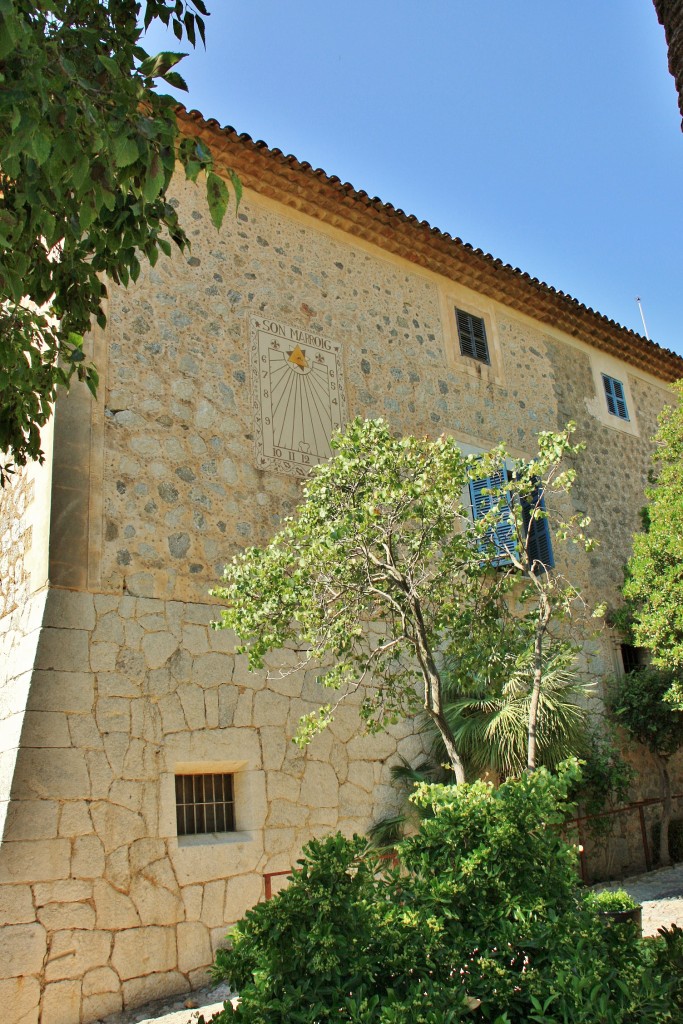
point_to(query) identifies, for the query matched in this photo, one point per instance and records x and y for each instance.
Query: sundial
(298, 395)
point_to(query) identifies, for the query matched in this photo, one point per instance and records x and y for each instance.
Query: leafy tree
(383, 577)
(87, 150)
(481, 920)
(638, 704)
(654, 575)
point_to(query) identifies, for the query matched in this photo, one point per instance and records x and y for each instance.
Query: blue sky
(547, 134)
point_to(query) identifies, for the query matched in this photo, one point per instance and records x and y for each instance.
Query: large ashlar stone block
(87, 860)
(62, 650)
(238, 747)
(109, 629)
(274, 746)
(16, 904)
(194, 946)
(55, 916)
(195, 640)
(192, 899)
(242, 893)
(61, 1003)
(216, 859)
(192, 699)
(362, 774)
(96, 1007)
(63, 691)
(371, 748)
(103, 657)
(74, 820)
(113, 714)
(155, 904)
(116, 826)
(20, 1000)
(73, 953)
(271, 708)
(283, 787)
(319, 787)
(153, 986)
(22, 949)
(50, 774)
(214, 669)
(70, 890)
(212, 903)
(45, 729)
(69, 609)
(142, 951)
(115, 910)
(31, 819)
(100, 980)
(158, 648)
(40, 859)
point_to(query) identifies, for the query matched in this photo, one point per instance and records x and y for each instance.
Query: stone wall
(105, 906)
(15, 543)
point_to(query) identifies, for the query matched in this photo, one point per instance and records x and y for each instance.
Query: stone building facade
(112, 683)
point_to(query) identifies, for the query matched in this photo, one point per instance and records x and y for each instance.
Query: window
(616, 399)
(472, 335)
(632, 658)
(204, 804)
(538, 544)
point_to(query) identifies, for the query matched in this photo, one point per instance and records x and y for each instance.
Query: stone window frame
(244, 798)
(453, 299)
(603, 365)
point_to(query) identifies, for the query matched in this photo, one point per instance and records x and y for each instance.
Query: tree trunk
(667, 810)
(449, 743)
(433, 694)
(541, 626)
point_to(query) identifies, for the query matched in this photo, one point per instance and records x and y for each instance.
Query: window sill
(215, 839)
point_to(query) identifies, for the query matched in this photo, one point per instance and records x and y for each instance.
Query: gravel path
(659, 892)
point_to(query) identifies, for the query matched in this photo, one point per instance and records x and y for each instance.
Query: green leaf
(176, 80)
(126, 150)
(154, 179)
(41, 147)
(218, 196)
(237, 185)
(159, 65)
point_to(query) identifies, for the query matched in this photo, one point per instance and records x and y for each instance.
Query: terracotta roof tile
(297, 184)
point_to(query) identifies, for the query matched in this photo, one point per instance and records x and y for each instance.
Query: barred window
(204, 804)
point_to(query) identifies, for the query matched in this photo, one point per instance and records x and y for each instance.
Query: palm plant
(490, 725)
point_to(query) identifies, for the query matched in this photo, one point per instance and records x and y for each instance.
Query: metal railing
(637, 807)
(579, 823)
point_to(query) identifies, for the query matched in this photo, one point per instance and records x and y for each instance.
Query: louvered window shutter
(615, 396)
(472, 335)
(502, 536)
(538, 544)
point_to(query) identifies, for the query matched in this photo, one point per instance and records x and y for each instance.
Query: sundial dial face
(298, 395)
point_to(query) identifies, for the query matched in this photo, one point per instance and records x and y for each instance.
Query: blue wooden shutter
(538, 544)
(502, 536)
(615, 396)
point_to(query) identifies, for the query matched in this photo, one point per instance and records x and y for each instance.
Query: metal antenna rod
(642, 317)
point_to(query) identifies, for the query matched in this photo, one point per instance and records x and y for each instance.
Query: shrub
(481, 920)
(609, 899)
